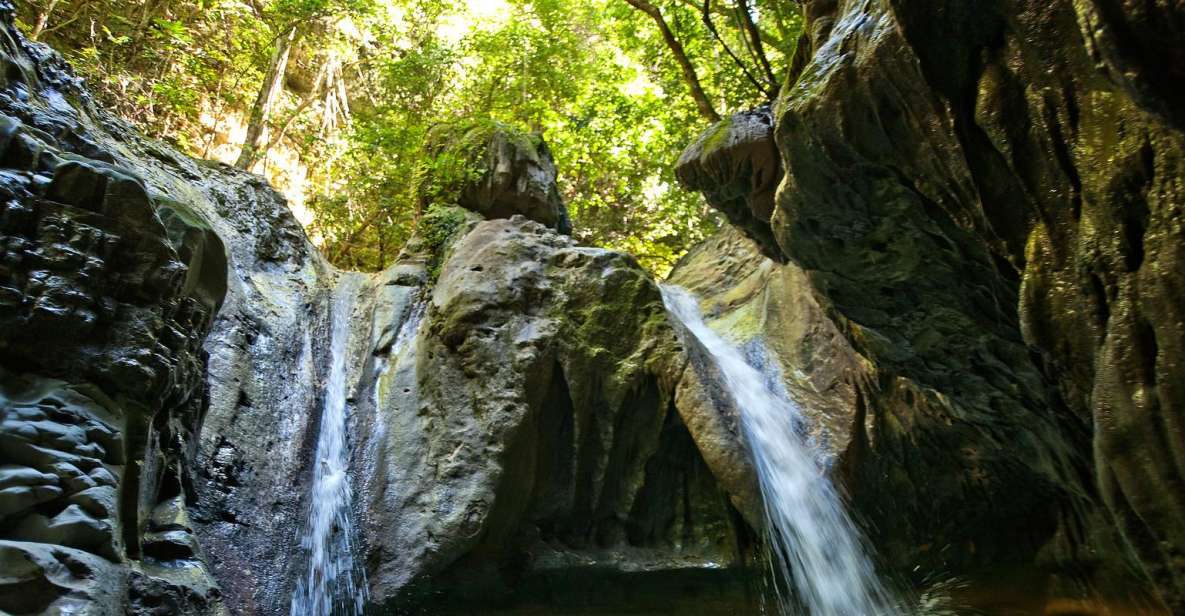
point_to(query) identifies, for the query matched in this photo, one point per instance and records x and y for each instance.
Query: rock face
(513, 425)
(532, 423)
(987, 200)
(735, 164)
(514, 434)
(109, 282)
(770, 311)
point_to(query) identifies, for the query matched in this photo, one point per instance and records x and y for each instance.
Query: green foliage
(453, 157)
(437, 228)
(594, 77)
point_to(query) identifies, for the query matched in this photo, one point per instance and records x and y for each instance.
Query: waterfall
(818, 553)
(332, 583)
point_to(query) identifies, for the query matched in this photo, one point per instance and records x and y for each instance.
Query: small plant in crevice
(436, 229)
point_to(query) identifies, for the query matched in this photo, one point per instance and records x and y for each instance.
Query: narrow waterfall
(332, 584)
(817, 550)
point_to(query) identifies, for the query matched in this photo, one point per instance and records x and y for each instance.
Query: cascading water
(818, 551)
(332, 584)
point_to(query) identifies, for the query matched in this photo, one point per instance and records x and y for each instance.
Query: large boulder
(770, 311)
(735, 164)
(493, 169)
(532, 420)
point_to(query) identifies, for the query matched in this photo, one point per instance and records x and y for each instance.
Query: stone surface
(533, 426)
(110, 278)
(735, 164)
(770, 311)
(495, 170)
(986, 199)
(41, 578)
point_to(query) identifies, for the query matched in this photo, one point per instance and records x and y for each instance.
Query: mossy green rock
(493, 169)
(539, 431)
(735, 164)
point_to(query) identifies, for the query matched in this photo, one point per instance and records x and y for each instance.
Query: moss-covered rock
(539, 427)
(736, 166)
(493, 169)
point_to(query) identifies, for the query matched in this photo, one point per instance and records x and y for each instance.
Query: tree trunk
(689, 76)
(42, 20)
(255, 145)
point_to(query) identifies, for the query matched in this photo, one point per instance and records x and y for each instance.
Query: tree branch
(706, 15)
(755, 38)
(768, 36)
(689, 76)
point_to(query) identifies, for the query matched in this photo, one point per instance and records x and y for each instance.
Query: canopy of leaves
(369, 79)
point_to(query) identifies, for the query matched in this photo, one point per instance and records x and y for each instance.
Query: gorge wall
(969, 186)
(110, 284)
(987, 201)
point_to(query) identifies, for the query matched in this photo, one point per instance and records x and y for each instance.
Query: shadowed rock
(988, 196)
(735, 164)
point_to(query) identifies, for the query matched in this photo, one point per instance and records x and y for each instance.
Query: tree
(269, 93)
(689, 75)
(338, 95)
(746, 34)
(291, 17)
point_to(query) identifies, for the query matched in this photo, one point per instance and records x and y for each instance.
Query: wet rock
(160, 592)
(40, 578)
(771, 311)
(99, 501)
(984, 200)
(20, 498)
(72, 527)
(110, 277)
(533, 417)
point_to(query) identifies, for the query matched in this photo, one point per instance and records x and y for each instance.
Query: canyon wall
(986, 199)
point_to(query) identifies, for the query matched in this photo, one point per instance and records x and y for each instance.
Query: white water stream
(818, 553)
(332, 584)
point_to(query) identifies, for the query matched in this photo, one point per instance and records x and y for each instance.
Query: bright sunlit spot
(476, 15)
